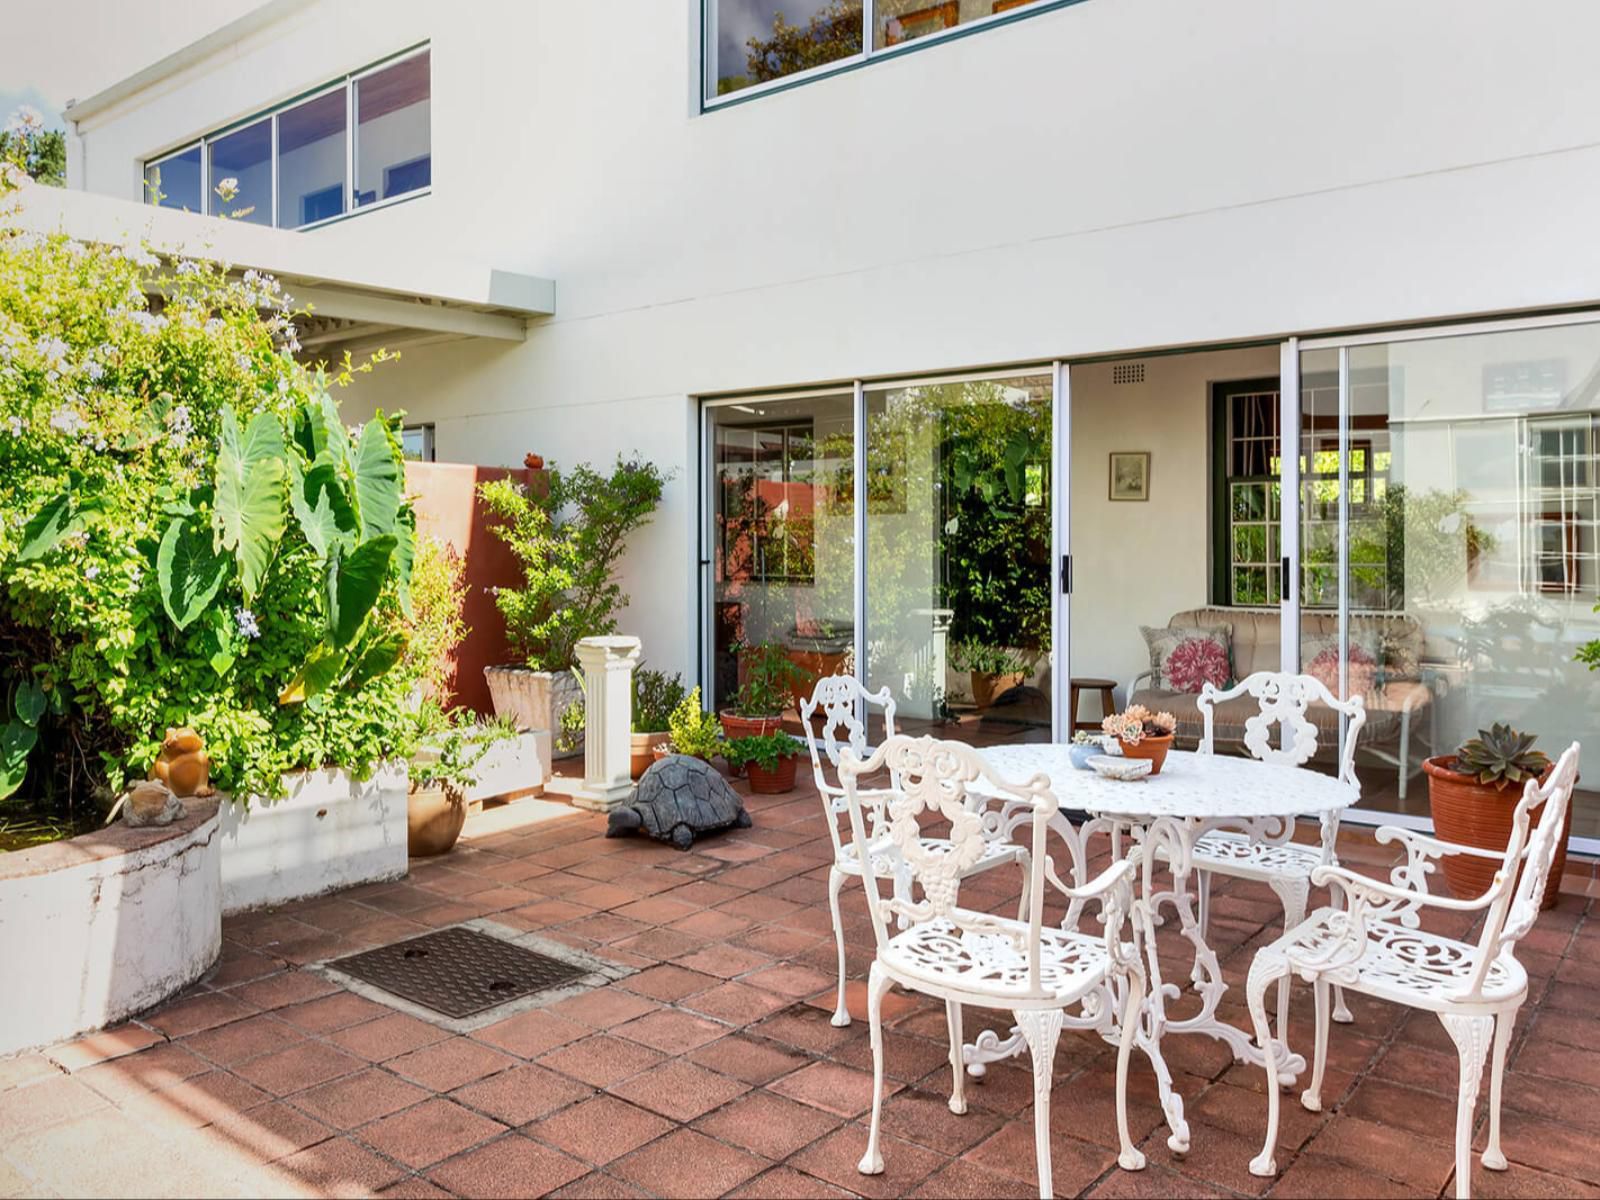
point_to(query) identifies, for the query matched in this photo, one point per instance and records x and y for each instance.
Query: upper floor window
(357, 142)
(755, 42)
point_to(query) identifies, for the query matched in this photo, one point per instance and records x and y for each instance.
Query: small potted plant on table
(770, 760)
(441, 770)
(655, 696)
(1473, 794)
(993, 670)
(765, 676)
(1142, 733)
(692, 730)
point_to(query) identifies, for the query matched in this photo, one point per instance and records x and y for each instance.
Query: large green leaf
(250, 511)
(48, 526)
(29, 702)
(405, 553)
(189, 570)
(321, 669)
(376, 660)
(379, 480)
(320, 505)
(16, 743)
(355, 581)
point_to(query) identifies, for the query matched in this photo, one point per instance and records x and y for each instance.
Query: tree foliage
(833, 32)
(39, 153)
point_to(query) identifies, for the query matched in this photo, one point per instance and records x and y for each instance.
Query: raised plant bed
(104, 925)
(329, 832)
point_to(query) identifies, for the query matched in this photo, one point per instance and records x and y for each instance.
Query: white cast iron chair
(964, 956)
(1373, 945)
(1266, 853)
(835, 698)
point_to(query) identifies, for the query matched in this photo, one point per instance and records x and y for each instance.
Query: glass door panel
(1472, 560)
(958, 556)
(783, 538)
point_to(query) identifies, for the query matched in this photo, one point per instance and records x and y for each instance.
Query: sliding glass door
(1450, 542)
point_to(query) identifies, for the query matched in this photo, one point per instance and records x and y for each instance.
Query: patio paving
(713, 1070)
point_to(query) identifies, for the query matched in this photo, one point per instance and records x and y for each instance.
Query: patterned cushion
(1321, 658)
(1186, 659)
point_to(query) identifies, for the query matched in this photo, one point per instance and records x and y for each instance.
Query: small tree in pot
(655, 696)
(766, 678)
(1473, 794)
(693, 731)
(770, 760)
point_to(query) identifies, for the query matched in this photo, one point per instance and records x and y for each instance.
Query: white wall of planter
(105, 925)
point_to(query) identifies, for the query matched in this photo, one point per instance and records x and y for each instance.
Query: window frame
(710, 101)
(345, 83)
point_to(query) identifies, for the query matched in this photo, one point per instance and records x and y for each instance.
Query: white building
(1136, 223)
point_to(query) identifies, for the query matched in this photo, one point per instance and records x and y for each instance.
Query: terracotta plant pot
(641, 751)
(773, 783)
(433, 821)
(986, 689)
(1153, 748)
(657, 753)
(735, 726)
(813, 665)
(1479, 815)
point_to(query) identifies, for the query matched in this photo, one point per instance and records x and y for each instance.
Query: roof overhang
(358, 295)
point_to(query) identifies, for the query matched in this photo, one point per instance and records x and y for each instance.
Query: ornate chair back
(835, 698)
(1282, 700)
(1516, 906)
(934, 781)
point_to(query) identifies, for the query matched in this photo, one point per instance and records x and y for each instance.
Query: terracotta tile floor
(714, 1070)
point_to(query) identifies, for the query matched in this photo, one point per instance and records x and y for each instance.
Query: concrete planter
(330, 832)
(519, 766)
(534, 700)
(101, 926)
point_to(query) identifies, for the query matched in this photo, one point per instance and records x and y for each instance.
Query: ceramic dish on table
(1124, 770)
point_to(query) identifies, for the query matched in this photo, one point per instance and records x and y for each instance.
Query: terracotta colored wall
(448, 508)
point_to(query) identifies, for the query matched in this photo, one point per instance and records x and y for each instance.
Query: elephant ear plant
(191, 535)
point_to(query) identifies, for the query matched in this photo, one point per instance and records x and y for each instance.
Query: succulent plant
(1501, 755)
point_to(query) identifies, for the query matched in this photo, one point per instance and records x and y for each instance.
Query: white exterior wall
(1115, 175)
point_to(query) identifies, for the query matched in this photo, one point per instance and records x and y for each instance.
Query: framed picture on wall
(1130, 475)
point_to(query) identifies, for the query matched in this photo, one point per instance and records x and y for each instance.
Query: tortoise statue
(678, 798)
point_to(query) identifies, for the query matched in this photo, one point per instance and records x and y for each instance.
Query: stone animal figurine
(678, 798)
(183, 765)
(149, 803)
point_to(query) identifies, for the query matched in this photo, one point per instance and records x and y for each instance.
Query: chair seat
(1246, 858)
(1407, 966)
(939, 955)
(994, 854)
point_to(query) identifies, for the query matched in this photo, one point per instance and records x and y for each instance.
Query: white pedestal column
(607, 664)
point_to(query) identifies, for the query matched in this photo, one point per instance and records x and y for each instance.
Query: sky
(55, 50)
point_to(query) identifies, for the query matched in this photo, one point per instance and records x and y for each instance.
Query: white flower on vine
(67, 420)
(227, 189)
(246, 622)
(15, 425)
(25, 122)
(91, 571)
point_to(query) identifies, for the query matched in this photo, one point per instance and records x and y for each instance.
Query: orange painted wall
(446, 499)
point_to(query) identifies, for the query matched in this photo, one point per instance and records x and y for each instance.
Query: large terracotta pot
(814, 665)
(641, 750)
(1479, 815)
(986, 689)
(735, 726)
(1153, 748)
(773, 783)
(434, 819)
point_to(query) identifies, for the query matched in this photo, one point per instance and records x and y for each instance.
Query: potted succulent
(655, 696)
(770, 759)
(1085, 745)
(693, 731)
(766, 676)
(1473, 794)
(451, 747)
(1142, 733)
(993, 670)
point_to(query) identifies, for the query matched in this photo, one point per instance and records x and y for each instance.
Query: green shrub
(655, 695)
(764, 751)
(987, 660)
(436, 628)
(768, 673)
(191, 536)
(568, 542)
(694, 731)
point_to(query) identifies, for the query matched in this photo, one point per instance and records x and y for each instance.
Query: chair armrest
(1118, 872)
(1133, 684)
(1431, 847)
(1382, 897)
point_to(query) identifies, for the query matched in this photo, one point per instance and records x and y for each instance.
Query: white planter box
(513, 767)
(105, 925)
(329, 832)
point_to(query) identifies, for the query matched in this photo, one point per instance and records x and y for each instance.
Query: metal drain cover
(458, 972)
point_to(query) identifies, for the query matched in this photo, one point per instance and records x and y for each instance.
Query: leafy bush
(694, 731)
(436, 628)
(191, 536)
(764, 751)
(568, 542)
(450, 747)
(987, 660)
(769, 673)
(655, 695)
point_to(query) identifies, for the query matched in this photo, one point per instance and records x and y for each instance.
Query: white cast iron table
(1168, 813)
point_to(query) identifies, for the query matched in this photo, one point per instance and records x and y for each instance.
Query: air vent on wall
(1128, 373)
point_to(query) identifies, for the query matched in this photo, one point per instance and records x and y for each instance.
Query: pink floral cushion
(1324, 668)
(1186, 659)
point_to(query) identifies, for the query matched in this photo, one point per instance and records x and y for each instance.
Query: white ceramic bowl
(1127, 770)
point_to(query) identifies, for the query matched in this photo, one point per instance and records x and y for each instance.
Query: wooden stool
(1108, 704)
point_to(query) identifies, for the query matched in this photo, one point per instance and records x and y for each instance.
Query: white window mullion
(272, 170)
(350, 145)
(869, 22)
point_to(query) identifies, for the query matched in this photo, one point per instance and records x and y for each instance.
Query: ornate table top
(1190, 785)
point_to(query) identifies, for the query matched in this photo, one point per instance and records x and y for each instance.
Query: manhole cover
(458, 972)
